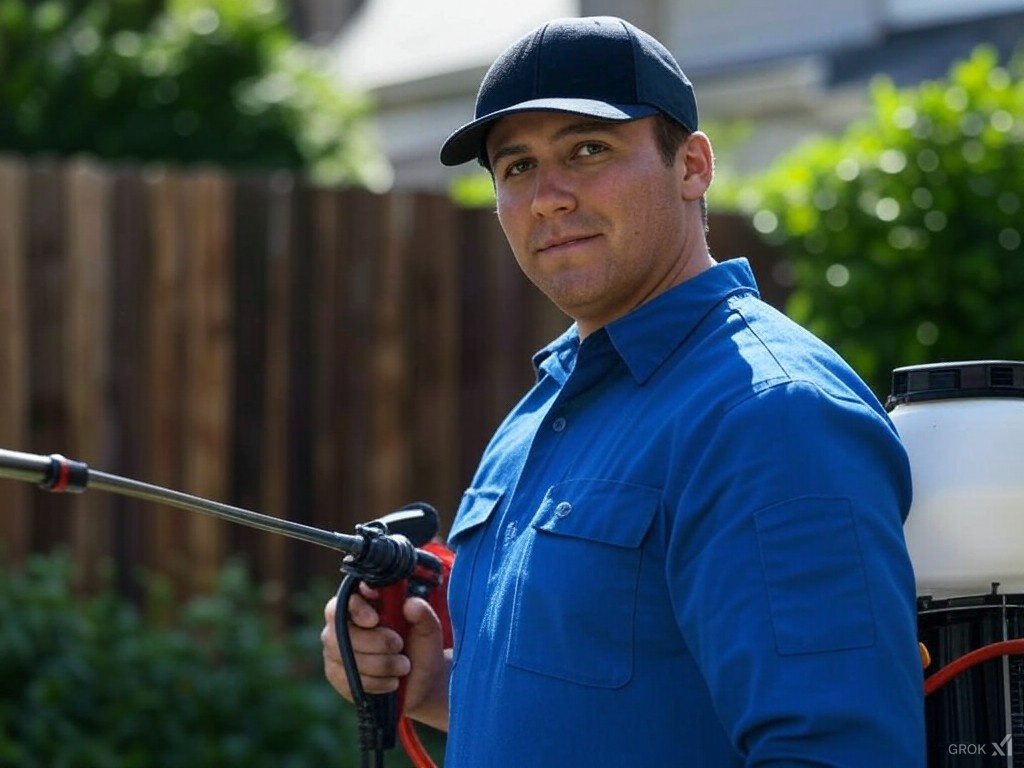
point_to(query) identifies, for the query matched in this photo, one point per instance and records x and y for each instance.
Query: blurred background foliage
(183, 81)
(903, 236)
(212, 682)
(91, 682)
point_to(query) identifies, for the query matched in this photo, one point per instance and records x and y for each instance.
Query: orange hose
(1004, 648)
(413, 746)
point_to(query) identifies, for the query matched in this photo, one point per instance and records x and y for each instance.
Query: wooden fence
(321, 355)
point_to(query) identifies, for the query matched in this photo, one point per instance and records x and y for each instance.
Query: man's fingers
(360, 611)
(377, 650)
(382, 667)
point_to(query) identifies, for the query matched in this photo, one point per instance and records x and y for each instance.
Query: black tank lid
(944, 381)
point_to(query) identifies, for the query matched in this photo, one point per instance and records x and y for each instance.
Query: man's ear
(697, 165)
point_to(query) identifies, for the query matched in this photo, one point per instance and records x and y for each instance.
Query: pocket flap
(475, 509)
(605, 511)
(819, 601)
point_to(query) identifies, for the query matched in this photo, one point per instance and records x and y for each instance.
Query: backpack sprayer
(394, 554)
(962, 424)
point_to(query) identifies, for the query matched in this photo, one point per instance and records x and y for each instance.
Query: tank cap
(944, 381)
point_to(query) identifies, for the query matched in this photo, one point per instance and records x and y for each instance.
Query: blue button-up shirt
(684, 547)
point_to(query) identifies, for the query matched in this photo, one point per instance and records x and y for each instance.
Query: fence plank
(277, 340)
(435, 340)
(350, 500)
(86, 353)
(47, 286)
(389, 427)
(15, 517)
(129, 429)
(208, 359)
(248, 263)
(163, 366)
(330, 481)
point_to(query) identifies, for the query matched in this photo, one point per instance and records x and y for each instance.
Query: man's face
(594, 216)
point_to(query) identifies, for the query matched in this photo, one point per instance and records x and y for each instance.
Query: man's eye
(516, 168)
(589, 149)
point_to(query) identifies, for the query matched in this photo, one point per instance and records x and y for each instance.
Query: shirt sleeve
(798, 598)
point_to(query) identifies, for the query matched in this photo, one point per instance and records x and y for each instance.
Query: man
(684, 546)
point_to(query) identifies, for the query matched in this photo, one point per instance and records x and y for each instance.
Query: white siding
(707, 35)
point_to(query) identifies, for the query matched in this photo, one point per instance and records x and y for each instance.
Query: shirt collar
(647, 336)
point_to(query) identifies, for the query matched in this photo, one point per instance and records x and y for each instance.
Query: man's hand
(383, 658)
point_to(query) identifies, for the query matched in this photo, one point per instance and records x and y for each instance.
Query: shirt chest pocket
(474, 514)
(576, 594)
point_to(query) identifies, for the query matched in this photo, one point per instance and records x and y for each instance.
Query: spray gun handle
(389, 706)
(389, 604)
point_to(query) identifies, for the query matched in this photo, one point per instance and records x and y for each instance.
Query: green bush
(87, 683)
(183, 81)
(93, 683)
(904, 234)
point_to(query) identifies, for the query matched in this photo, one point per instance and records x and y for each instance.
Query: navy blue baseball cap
(600, 66)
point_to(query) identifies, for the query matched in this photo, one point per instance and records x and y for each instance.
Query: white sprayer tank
(963, 427)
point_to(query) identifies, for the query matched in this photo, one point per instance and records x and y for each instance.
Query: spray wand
(394, 554)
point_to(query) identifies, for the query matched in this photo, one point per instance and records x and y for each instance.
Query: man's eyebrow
(570, 129)
(509, 150)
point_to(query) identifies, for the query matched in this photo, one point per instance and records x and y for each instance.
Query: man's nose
(553, 193)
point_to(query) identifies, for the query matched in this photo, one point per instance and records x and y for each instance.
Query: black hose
(372, 734)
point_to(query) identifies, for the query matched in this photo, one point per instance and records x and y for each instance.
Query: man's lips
(556, 243)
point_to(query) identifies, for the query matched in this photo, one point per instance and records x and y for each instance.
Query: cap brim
(466, 143)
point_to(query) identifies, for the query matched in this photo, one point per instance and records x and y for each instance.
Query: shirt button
(563, 508)
(558, 424)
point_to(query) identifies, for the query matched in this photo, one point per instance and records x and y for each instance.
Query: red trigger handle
(389, 605)
(392, 598)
